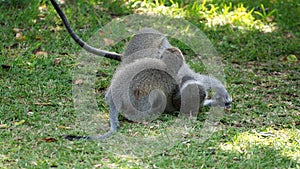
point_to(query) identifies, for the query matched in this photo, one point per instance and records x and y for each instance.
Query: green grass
(261, 130)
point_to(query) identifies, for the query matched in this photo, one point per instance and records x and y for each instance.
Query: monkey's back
(148, 80)
(144, 39)
(138, 88)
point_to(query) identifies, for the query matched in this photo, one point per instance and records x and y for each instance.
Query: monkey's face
(223, 98)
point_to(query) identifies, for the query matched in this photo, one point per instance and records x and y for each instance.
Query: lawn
(258, 43)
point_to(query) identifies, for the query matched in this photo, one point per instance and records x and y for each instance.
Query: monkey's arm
(79, 41)
(192, 95)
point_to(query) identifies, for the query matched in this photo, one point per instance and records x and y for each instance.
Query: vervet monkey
(152, 78)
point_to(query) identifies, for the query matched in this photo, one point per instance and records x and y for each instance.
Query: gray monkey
(150, 38)
(152, 78)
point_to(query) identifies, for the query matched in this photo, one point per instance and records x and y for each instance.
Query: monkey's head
(222, 98)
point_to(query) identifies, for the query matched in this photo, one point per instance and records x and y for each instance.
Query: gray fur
(149, 38)
(132, 85)
(144, 85)
(192, 94)
(144, 39)
(221, 98)
(153, 78)
(150, 56)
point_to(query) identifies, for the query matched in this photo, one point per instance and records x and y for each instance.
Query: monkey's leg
(192, 97)
(114, 123)
(113, 119)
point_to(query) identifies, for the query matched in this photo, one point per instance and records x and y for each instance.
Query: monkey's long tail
(94, 137)
(78, 40)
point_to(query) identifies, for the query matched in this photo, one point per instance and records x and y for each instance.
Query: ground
(259, 50)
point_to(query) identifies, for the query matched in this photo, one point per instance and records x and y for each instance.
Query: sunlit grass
(238, 17)
(285, 141)
(159, 7)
